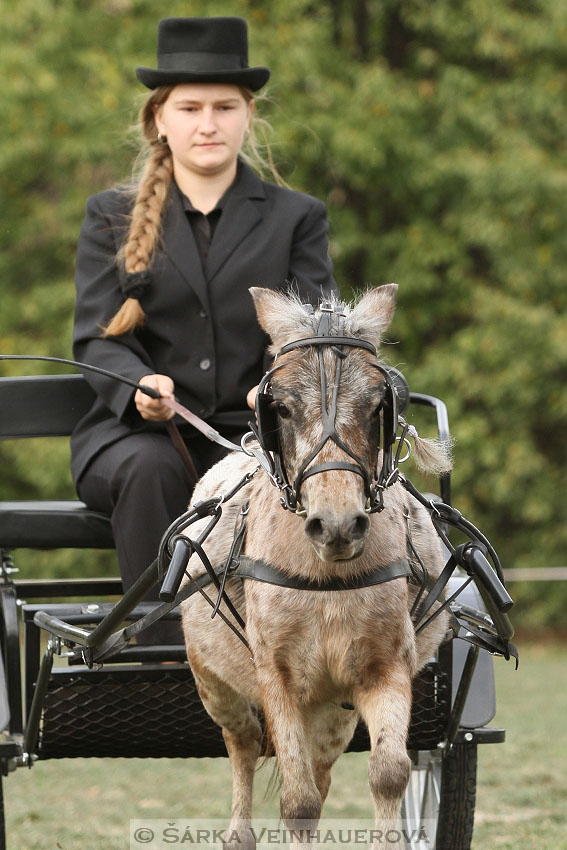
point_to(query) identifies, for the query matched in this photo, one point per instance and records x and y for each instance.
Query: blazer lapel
(181, 249)
(242, 212)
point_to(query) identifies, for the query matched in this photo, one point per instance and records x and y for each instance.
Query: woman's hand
(153, 409)
(251, 397)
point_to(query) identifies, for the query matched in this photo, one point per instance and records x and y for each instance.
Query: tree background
(435, 134)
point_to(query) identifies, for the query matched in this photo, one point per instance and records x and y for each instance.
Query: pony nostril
(315, 529)
(359, 527)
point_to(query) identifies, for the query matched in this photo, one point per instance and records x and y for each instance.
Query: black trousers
(142, 483)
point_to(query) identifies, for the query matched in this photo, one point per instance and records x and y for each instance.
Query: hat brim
(250, 78)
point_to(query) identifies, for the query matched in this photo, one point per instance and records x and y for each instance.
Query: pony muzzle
(337, 537)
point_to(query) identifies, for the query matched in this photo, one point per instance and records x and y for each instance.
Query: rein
(186, 414)
(175, 405)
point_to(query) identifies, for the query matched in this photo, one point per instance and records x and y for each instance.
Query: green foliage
(435, 134)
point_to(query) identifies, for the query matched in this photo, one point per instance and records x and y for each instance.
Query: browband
(328, 340)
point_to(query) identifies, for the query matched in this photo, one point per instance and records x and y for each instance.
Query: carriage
(82, 689)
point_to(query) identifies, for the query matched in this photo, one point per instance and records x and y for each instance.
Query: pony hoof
(240, 839)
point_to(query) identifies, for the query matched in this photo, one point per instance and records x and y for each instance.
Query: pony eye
(282, 410)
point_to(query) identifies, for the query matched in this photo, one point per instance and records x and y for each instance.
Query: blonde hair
(154, 165)
(251, 151)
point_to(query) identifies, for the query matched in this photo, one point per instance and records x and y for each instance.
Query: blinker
(267, 419)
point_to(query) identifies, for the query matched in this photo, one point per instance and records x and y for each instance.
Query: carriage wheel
(438, 807)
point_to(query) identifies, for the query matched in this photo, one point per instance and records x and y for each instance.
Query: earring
(162, 139)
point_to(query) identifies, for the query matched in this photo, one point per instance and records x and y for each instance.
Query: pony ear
(282, 317)
(373, 313)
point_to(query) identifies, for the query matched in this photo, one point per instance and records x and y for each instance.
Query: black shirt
(204, 225)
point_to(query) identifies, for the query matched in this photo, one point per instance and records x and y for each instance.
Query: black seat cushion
(53, 525)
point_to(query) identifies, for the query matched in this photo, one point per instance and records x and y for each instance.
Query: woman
(162, 279)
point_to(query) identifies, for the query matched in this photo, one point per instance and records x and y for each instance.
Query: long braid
(146, 216)
(137, 252)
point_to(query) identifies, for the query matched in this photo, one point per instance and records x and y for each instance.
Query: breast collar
(250, 568)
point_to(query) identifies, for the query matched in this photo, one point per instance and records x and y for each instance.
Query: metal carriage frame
(76, 708)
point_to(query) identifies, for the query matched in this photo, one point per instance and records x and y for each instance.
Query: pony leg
(242, 735)
(243, 750)
(300, 801)
(386, 711)
(330, 732)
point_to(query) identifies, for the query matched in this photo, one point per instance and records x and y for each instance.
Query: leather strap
(262, 571)
(179, 444)
(200, 424)
(328, 340)
(332, 464)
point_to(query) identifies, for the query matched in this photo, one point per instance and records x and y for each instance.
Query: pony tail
(137, 252)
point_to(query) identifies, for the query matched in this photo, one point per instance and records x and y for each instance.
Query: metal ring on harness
(409, 449)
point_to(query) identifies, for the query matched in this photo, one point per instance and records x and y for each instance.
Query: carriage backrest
(47, 406)
(42, 405)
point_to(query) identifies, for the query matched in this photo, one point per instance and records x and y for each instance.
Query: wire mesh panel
(127, 713)
(153, 713)
(430, 708)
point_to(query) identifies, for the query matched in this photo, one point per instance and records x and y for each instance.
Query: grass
(521, 802)
(522, 788)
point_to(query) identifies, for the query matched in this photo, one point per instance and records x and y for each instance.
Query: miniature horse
(313, 652)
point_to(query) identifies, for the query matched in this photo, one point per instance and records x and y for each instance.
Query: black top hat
(203, 50)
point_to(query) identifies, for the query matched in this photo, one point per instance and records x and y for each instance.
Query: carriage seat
(67, 524)
(47, 406)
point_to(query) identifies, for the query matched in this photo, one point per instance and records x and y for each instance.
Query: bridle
(267, 429)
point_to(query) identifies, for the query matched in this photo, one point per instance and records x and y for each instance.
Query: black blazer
(201, 328)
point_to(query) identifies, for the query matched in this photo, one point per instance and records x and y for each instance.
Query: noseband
(267, 428)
